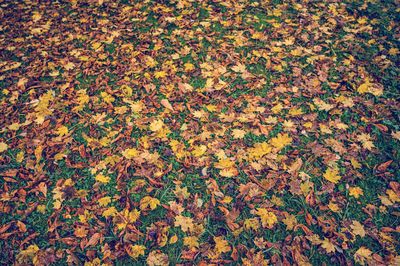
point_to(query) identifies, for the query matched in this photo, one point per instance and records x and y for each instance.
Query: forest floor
(199, 132)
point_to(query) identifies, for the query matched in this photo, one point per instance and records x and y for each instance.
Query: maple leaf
(199, 150)
(110, 212)
(251, 223)
(332, 175)
(358, 228)
(189, 67)
(191, 241)
(135, 251)
(239, 68)
(355, 192)
(186, 223)
(229, 172)
(104, 201)
(81, 232)
(156, 125)
(28, 255)
(149, 202)
(290, 221)
(130, 153)
(160, 74)
(126, 90)
(3, 146)
(281, 140)
(328, 246)
(396, 135)
(157, 258)
(366, 141)
(62, 131)
(238, 133)
(362, 255)
(126, 217)
(102, 178)
(221, 245)
(268, 219)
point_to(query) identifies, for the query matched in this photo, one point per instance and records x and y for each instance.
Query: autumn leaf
(135, 251)
(357, 228)
(268, 219)
(281, 140)
(238, 133)
(156, 125)
(221, 245)
(149, 202)
(355, 192)
(186, 223)
(167, 104)
(328, 245)
(362, 255)
(157, 258)
(62, 131)
(191, 241)
(102, 178)
(332, 175)
(130, 153)
(3, 146)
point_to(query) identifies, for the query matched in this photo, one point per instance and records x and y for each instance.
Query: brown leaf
(166, 104)
(93, 240)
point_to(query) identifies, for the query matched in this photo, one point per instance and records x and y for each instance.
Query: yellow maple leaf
(199, 150)
(268, 219)
(251, 223)
(191, 241)
(126, 90)
(186, 223)
(130, 153)
(14, 126)
(188, 67)
(126, 217)
(160, 74)
(136, 251)
(357, 228)
(3, 146)
(110, 212)
(104, 201)
(259, 150)
(224, 163)
(62, 131)
(362, 255)
(41, 208)
(102, 178)
(332, 175)
(156, 125)
(328, 246)
(368, 87)
(281, 140)
(96, 45)
(221, 245)
(333, 206)
(290, 221)
(238, 133)
(355, 192)
(229, 172)
(149, 202)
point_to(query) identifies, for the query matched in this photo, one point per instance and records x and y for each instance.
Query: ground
(199, 132)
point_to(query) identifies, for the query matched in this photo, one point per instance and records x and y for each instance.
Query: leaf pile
(199, 132)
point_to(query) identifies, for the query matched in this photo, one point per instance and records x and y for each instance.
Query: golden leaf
(331, 174)
(149, 202)
(268, 219)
